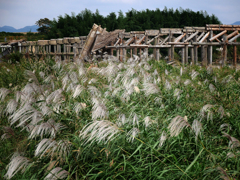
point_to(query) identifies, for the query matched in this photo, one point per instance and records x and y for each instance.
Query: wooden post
(131, 53)
(135, 49)
(169, 49)
(195, 51)
(186, 50)
(225, 40)
(111, 50)
(210, 49)
(192, 55)
(172, 48)
(235, 54)
(183, 52)
(203, 55)
(154, 49)
(117, 53)
(124, 54)
(157, 50)
(146, 49)
(121, 51)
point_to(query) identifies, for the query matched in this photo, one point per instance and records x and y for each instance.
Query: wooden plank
(117, 42)
(137, 32)
(218, 35)
(129, 41)
(234, 38)
(180, 37)
(190, 37)
(139, 45)
(140, 40)
(205, 37)
(151, 32)
(178, 43)
(232, 34)
(201, 35)
(173, 30)
(165, 40)
(153, 39)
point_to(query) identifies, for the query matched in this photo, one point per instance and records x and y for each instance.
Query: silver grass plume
(79, 106)
(94, 91)
(100, 131)
(3, 93)
(135, 120)
(212, 88)
(187, 82)
(148, 122)
(99, 110)
(11, 106)
(194, 74)
(150, 88)
(224, 174)
(26, 114)
(132, 134)
(206, 109)
(8, 132)
(56, 173)
(225, 126)
(233, 142)
(55, 97)
(168, 85)
(177, 125)
(16, 164)
(31, 74)
(49, 128)
(52, 147)
(166, 71)
(78, 90)
(209, 70)
(177, 93)
(121, 120)
(197, 127)
(162, 138)
(221, 111)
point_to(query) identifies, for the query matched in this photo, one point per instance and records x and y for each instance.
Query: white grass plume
(206, 110)
(177, 93)
(3, 93)
(49, 128)
(132, 134)
(233, 142)
(168, 85)
(8, 132)
(162, 138)
(194, 74)
(212, 88)
(150, 88)
(26, 114)
(55, 97)
(79, 106)
(11, 106)
(100, 131)
(49, 146)
(99, 110)
(197, 127)
(56, 173)
(16, 164)
(177, 125)
(187, 82)
(78, 90)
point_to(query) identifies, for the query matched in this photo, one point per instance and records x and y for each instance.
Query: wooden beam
(165, 40)
(205, 37)
(152, 32)
(129, 41)
(201, 35)
(234, 38)
(232, 34)
(190, 37)
(180, 37)
(117, 42)
(140, 40)
(173, 30)
(218, 35)
(153, 38)
(235, 55)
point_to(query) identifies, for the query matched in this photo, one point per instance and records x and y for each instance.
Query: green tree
(44, 25)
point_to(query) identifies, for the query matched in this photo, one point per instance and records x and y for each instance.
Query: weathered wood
(165, 40)
(140, 40)
(235, 55)
(204, 55)
(151, 32)
(88, 44)
(146, 49)
(210, 49)
(190, 37)
(183, 52)
(225, 40)
(204, 37)
(234, 38)
(135, 48)
(232, 34)
(153, 38)
(129, 41)
(195, 52)
(117, 42)
(201, 35)
(172, 30)
(180, 37)
(218, 35)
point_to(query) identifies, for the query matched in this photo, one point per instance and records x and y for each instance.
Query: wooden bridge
(99, 41)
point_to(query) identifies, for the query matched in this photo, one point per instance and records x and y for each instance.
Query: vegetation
(140, 119)
(80, 24)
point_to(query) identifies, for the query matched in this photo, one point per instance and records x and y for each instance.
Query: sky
(21, 13)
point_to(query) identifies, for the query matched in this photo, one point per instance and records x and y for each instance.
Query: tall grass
(140, 119)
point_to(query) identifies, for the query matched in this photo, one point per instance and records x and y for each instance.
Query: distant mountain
(25, 29)
(236, 23)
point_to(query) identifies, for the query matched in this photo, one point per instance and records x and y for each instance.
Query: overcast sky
(21, 13)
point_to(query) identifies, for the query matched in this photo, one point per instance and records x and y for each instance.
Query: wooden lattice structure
(189, 39)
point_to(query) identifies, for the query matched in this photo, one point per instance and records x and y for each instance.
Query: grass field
(141, 119)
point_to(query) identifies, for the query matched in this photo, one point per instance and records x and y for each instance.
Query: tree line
(79, 25)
